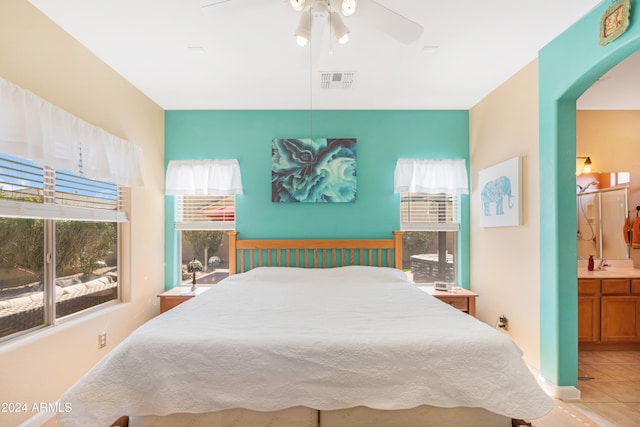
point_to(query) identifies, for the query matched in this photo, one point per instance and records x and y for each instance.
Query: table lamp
(193, 267)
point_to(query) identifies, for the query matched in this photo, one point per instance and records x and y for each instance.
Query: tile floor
(612, 397)
(563, 415)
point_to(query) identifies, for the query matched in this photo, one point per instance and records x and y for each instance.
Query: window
(430, 225)
(429, 192)
(203, 222)
(58, 244)
(205, 203)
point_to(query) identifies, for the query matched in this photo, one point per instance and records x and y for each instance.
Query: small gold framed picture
(614, 21)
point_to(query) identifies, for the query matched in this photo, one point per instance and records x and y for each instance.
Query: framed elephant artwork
(500, 194)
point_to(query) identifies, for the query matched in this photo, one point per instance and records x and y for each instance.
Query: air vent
(337, 79)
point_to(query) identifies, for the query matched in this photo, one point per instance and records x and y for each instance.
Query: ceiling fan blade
(395, 25)
(211, 3)
(204, 4)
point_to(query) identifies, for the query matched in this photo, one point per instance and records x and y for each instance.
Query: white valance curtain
(33, 129)
(203, 177)
(433, 176)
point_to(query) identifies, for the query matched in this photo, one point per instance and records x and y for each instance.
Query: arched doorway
(567, 67)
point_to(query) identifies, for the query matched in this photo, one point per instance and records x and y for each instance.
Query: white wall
(505, 261)
(37, 55)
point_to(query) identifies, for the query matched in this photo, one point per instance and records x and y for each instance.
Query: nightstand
(460, 298)
(178, 295)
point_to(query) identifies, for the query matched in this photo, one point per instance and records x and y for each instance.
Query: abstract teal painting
(313, 170)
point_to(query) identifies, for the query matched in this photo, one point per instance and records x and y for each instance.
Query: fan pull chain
(310, 85)
(330, 32)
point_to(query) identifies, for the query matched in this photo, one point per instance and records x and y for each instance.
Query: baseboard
(566, 393)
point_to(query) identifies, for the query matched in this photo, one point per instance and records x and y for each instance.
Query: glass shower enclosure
(601, 218)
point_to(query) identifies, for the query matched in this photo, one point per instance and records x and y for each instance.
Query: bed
(311, 333)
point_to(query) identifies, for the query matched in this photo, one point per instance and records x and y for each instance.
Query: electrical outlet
(102, 340)
(503, 323)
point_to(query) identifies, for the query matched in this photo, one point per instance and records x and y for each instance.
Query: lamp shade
(585, 167)
(303, 32)
(194, 265)
(340, 31)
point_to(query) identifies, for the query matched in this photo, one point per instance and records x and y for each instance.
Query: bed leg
(121, 422)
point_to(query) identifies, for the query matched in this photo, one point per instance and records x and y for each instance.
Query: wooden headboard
(247, 254)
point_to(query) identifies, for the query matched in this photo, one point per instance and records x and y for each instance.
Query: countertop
(609, 273)
(617, 269)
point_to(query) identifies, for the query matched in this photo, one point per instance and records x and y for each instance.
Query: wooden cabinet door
(588, 287)
(616, 286)
(588, 319)
(620, 319)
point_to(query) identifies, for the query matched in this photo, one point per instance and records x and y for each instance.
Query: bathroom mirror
(601, 212)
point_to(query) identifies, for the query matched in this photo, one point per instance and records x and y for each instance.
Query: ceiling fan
(386, 20)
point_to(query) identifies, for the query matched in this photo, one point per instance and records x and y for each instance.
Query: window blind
(29, 190)
(205, 212)
(429, 212)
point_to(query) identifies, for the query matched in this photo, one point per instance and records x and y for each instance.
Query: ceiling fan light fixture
(319, 8)
(340, 31)
(297, 5)
(303, 32)
(348, 7)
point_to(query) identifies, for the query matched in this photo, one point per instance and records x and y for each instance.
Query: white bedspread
(274, 338)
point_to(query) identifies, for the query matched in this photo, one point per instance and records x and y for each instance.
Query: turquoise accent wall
(568, 66)
(383, 137)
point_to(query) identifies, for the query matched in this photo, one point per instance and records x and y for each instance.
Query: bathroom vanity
(609, 308)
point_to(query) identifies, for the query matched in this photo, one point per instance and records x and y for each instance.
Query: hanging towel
(627, 230)
(636, 232)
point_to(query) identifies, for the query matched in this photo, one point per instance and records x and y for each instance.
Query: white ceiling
(251, 61)
(618, 89)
